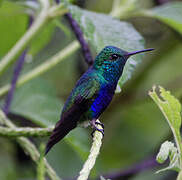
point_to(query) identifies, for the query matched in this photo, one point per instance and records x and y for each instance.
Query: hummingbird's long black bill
(137, 52)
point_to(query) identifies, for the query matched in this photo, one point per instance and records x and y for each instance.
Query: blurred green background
(134, 126)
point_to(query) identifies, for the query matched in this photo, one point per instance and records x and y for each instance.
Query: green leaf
(171, 109)
(37, 101)
(170, 14)
(42, 39)
(169, 150)
(64, 160)
(13, 25)
(63, 27)
(8, 170)
(102, 30)
(78, 140)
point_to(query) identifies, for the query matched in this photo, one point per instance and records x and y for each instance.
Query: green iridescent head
(114, 55)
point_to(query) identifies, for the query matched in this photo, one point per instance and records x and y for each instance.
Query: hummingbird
(92, 93)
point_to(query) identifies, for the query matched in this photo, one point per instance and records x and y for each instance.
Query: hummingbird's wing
(79, 101)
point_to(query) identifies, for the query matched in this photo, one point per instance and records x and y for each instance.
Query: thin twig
(27, 37)
(16, 73)
(46, 14)
(26, 131)
(146, 164)
(94, 152)
(41, 165)
(160, 2)
(44, 67)
(79, 35)
(29, 147)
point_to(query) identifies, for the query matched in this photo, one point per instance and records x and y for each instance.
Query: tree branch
(159, 2)
(79, 35)
(44, 67)
(146, 164)
(29, 147)
(26, 131)
(94, 152)
(43, 17)
(41, 165)
(16, 73)
(20, 45)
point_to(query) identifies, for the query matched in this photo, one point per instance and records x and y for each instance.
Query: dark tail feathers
(60, 131)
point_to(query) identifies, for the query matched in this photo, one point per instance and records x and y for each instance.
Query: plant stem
(29, 147)
(26, 131)
(179, 176)
(17, 69)
(94, 152)
(44, 67)
(41, 165)
(159, 2)
(177, 137)
(21, 44)
(16, 73)
(141, 166)
(43, 17)
(79, 35)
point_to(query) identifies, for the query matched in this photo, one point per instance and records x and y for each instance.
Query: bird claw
(94, 123)
(100, 130)
(101, 124)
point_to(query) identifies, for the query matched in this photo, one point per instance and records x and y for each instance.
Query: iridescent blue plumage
(93, 92)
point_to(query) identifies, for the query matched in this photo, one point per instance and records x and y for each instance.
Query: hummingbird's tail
(69, 119)
(61, 129)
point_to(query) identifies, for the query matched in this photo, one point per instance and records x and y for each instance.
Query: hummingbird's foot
(101, 124)
(94, 126)
(97, 129)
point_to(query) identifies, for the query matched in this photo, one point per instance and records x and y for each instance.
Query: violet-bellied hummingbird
(92, 93)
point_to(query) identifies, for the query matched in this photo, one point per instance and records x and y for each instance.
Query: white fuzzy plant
(171, 109)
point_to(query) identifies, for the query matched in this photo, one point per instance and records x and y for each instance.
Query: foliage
(170, 14)
(98, 30)
(171, 109)
(53, 65)
(41, 166)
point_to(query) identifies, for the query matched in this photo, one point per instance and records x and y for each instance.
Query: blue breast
(102, 101)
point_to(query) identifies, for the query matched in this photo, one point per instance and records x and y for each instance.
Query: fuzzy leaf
(102, 30)
(169, 150)
(171, 109)
(170, 14)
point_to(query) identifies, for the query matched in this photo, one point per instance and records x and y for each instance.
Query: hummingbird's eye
(114, 56)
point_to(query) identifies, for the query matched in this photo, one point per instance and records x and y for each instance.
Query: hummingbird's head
(111, 54)
(112, 59)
